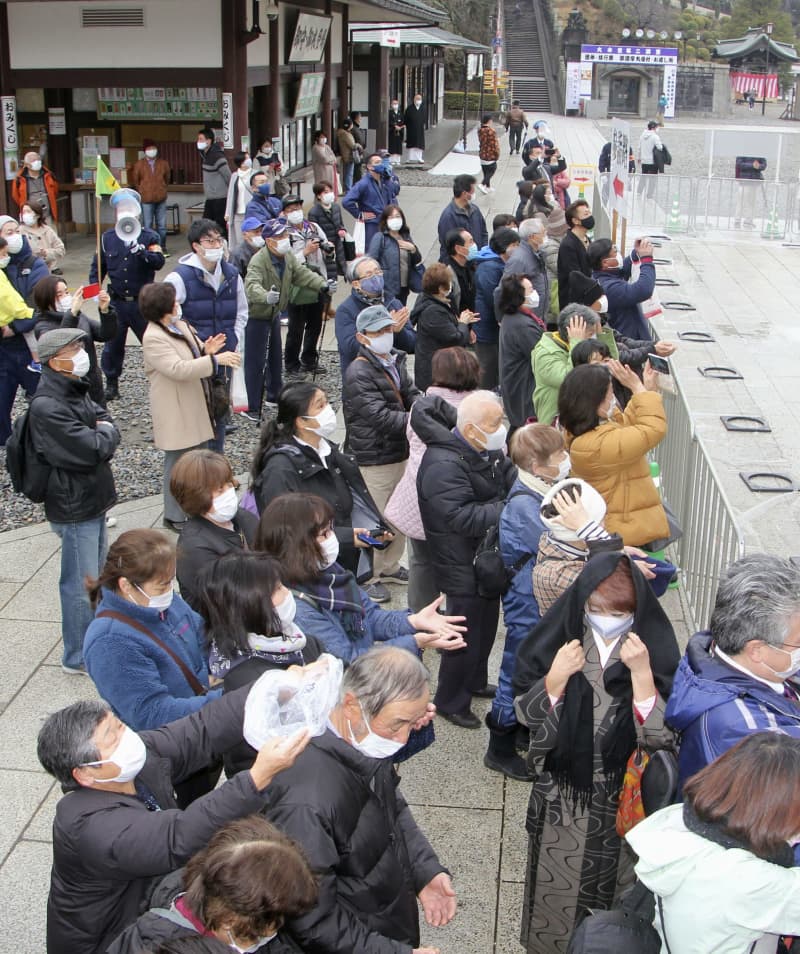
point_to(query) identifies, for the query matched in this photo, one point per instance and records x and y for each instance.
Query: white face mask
(151, 153)
(36, 165)
(202, 146)
(129, 756)
(532, 300)
(64, 303)
(323, 141)
(612, 406)
(4, 261)
(14, 243)
(224, 506)
(246, 165)
(283, 246)
(794, 663)
(496, 440)
(327, 198)
(258, 241)
(395, 106)
(330, 550)
(28, 218)
(395, 224)
(373, 745)
(381, 345)
(295, 217)
(609, 627)
(253, 947)
(564, 468)
(285, 611)
(161, 602)
(81, 363)
(417, 102)
(326, 422)
(213, 254)
(603, 304)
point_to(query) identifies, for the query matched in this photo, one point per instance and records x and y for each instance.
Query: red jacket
(19, 189)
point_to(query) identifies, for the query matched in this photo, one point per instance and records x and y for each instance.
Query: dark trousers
(464, 671)
(262, 352)
(488, 172)
(113, 355)
(14, 361)
(488, 354)
(514, 139)
(305, 323)
(214, 209)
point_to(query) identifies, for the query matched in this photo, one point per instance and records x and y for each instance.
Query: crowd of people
(507, 472)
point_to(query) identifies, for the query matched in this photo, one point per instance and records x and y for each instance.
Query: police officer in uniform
(129, 264)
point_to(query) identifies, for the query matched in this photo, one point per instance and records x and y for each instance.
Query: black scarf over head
(571, 760)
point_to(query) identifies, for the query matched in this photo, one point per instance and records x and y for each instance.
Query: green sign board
(158, 102)
(309, 94)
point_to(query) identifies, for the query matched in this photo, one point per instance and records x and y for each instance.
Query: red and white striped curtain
(742, 82)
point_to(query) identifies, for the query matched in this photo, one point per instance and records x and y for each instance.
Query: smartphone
(372, 541)
(90, 291)
(657, 363)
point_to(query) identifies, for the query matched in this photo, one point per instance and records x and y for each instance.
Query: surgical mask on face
(151, 153)
(395, 224)
(610, 627)
(564, 468)
(202, 146)
(330, 550)
(253, 947)
(323, 141)
(496, 440)
(327, 198)
(258, 241)
(285, 611)
(14, 243)
(129, 756)
(417, 102)
(473, 252)
(161, 602)
(80, 363)
(65, 303)
(265, 189)
(224, 506)
(383, 344)
(295, 217)
(213, 254)
(603, 304)
(283, 246)
(36, 165)
(374, 746)
(794, 663)
(247, 164)
(28, 218)
(395, 106)
(4, 261)
(326, 422)
(372, 287)
(588, 223)
(612, 406)
(532, 300)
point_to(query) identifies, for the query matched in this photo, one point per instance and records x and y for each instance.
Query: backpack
(492, 575)
(627, 929)
(28, 472)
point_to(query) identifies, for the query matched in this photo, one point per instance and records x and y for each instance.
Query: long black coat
(437, 327)
(109, 850)
(415, 126)
(360, 838)
(294, 468)
(572, 257)
(376, 411)
(461, 494)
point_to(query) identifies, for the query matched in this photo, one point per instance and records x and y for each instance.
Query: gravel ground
(138, 465)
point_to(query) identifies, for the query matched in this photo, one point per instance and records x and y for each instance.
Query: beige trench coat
(177, 399)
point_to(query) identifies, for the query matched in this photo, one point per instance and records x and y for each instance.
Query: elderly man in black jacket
(462, 483)
(118, 829)
(77, 438)
(341, 802)
(377, 395)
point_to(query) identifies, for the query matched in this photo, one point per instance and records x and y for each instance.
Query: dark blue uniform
(128, 272)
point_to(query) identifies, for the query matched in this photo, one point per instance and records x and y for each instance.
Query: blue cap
(250, 224)
(373, 319)
(273, 228)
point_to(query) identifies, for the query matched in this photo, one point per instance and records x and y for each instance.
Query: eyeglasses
(211, 243)
(372, 274)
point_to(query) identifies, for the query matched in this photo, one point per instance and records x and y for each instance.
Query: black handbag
(220, 399)
(659, 782)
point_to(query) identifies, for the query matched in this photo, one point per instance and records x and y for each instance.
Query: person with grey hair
(551, 356)
(526, 261)
(119, 827)
(372, 862)
(366, 281)
(462, 483)
(738, 676)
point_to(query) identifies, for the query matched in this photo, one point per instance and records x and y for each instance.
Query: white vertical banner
(572, 95)
(8, 104)
(227, 121)
(670, 82)
(619, 178)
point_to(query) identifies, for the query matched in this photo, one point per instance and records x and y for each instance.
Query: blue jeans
(14, 361)
(503, 713)
(156, 212)
(347, 175)
(83, 552)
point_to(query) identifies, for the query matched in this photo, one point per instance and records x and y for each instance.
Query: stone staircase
(523, 57)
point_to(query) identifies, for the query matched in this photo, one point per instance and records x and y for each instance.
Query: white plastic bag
(283, 701)
(239, 401)
(360, 238)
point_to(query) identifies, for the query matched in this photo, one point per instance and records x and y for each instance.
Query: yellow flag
(106, 184)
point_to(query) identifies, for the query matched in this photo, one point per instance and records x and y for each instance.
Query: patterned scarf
(336, 590)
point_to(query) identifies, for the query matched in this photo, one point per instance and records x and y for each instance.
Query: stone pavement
(474, 817)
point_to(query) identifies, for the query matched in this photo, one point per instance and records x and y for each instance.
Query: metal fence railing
(694, 205)
(711, 536)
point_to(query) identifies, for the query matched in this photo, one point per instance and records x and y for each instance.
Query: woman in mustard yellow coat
(608, 448)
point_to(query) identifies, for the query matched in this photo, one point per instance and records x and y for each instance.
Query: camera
(327, 247)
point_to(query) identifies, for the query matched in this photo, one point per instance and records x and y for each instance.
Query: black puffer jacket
(65, 431)
(295, 468)
(437, 327)
(376, 410)
(461, 494)
(360, 838)
(330, 221)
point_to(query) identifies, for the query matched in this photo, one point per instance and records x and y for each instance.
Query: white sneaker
(111, 522)
(483, 188)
